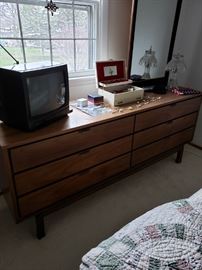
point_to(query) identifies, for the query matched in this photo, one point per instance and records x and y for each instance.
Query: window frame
(92, 7)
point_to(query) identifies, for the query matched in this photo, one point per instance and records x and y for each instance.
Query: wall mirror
(153, 30)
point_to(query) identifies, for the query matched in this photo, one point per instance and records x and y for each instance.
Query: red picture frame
(111, 71)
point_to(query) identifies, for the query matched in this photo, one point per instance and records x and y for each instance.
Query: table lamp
(148, 59)
(175, 66)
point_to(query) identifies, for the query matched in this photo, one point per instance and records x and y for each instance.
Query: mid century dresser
(43, 170)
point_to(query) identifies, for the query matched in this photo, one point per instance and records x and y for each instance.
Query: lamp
(51, 7)
(175, 66)
(148, 59)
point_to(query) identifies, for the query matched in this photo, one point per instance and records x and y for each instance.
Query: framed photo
(110, 71)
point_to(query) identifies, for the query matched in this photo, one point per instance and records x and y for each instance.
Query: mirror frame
(159, 81)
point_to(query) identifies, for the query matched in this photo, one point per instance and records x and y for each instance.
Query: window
(32, 34)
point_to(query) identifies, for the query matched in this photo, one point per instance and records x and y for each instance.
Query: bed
(168, 237)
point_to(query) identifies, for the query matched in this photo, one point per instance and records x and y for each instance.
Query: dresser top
(10, 137)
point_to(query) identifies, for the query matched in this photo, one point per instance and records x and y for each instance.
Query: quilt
(168, 237)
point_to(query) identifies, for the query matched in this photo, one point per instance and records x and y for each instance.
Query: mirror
(153, 31)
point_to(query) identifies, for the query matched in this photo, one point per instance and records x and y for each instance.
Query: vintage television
(32, 95)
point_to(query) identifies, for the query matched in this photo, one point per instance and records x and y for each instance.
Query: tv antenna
(16, 61)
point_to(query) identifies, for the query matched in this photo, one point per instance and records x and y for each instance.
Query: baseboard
(195, 145)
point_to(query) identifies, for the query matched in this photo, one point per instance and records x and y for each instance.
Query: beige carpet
(72, 231)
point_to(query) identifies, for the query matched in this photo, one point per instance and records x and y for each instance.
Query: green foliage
(34, 55)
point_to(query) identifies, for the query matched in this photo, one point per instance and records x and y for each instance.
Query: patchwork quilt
(169, 237)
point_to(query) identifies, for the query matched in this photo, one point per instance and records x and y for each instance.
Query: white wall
(119, 27)
(188, 42)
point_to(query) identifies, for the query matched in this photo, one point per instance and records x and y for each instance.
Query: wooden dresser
(55, 165)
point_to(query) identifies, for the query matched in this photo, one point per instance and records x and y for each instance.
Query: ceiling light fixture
(51, 7)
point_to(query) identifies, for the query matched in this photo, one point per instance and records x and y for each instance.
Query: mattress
(169, 237)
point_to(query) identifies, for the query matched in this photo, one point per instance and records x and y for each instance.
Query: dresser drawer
(185, 107)
(183, 122)
(49, 173)
(160, 115)
(53, 193)
(181, 137)
(151, 118)
(41, 152)
(156, 148)
(155, 133)
(149, 151)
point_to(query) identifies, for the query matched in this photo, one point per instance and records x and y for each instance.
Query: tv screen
(46, 93)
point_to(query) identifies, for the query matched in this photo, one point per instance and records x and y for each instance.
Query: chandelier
(51, 7)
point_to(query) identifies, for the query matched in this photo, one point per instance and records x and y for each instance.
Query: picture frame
(110, 71)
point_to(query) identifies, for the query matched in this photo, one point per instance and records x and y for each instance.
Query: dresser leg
(40, 228)
(180, 154)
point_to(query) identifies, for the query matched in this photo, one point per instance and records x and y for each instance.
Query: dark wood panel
(152, 118)
(157, 116)
(152, 134)
(156, 148)
(181, 137)
(184, 122)
(51, 194)
(40, 152)
(147, 152)
(46, 174)
(185, 107)
(155, 133)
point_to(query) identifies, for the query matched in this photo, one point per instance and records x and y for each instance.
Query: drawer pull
(84, 130)
(84, 152)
